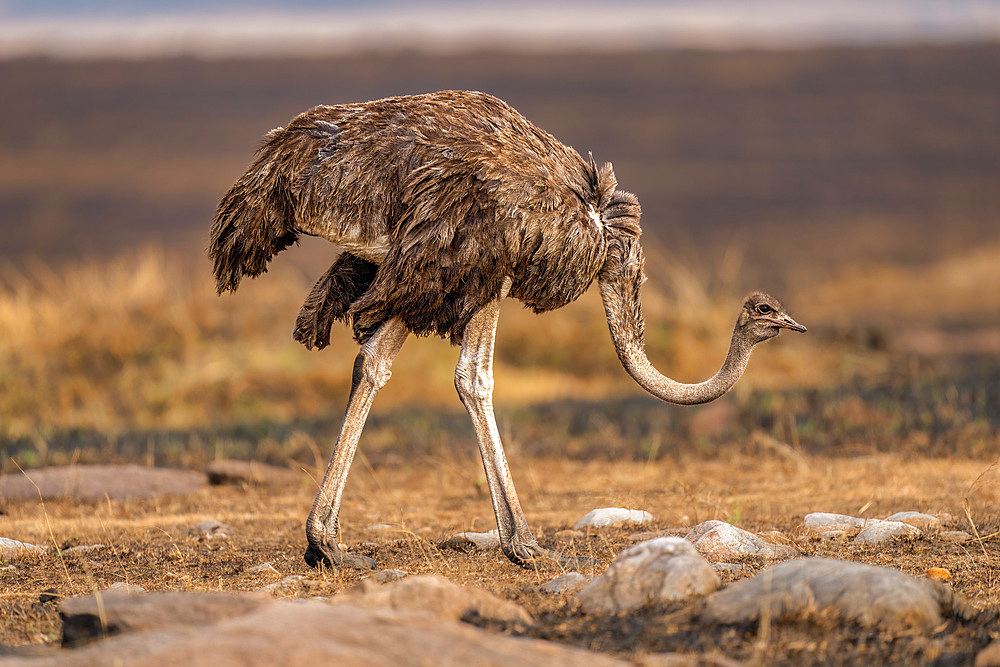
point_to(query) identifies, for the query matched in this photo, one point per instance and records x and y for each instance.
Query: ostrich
(444, 204)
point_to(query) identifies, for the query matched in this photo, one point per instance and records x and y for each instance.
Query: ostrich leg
(371, 372)
(474, 381)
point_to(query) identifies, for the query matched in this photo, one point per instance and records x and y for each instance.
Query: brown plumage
(457, 189)
(444, 204)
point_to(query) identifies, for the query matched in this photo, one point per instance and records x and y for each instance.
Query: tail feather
(254, 219)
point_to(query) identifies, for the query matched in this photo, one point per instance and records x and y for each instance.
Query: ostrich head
(763, 317)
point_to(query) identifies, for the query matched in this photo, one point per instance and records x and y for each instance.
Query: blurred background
(845, 156)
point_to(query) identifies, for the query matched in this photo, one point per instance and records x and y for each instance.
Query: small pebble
(385, 576)
(938, 574)
(612, 516)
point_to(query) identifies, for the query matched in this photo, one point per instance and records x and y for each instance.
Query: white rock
(570, 582)
(11, 548)
(474, 541)
(884, 531)
(611, 516)
(665, 568)
(916, 519)
(720, 541)
(824, 521)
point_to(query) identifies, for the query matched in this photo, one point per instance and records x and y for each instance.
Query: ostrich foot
(333, 558)
(531, 556)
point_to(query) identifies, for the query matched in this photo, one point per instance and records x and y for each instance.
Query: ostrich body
(445, 204)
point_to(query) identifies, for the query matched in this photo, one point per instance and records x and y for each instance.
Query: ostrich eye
(764, 309)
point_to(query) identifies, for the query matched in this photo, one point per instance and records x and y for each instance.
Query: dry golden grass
(143, 342)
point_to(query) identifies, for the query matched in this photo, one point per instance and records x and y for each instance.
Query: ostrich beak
(788, 323)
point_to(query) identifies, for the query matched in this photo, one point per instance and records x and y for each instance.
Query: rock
(865, 594)
(385, 576)
(917, 520)
(881, 532)
(309, 632)
(954, 536)
(569, 582)
(263, 568)
(466, 542)
(283, 585)
(833, 535)
(94, 482)
(662, 569)
(436, 596)
(231, 471)
(720, 541)
(210, 530)
(825, 521)
(938, 574)
(13, 549)
(989, 656)
(125, 611)
(611, 516)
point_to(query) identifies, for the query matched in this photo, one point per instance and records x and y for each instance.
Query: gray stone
(230, 471)
(569, 582)
(95, 482)
(14, 549)
(434, 595)
(308, 632)
(662, 569)
(385, 576)
(916, 519)
(612, 516)
(825, 521)
(210, 530)
(881, 532)
(871, 596)
(723, 542)
(469, 541)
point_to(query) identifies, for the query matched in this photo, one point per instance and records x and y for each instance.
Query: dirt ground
(147, 543)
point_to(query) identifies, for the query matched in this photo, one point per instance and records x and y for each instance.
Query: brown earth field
(860, 185)
(418, 505)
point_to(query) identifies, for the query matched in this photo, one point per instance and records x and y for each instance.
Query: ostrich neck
(624, 310)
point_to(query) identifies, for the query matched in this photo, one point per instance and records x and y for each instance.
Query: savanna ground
(858, 184)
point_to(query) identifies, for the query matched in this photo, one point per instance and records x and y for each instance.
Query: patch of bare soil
(400, 515)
